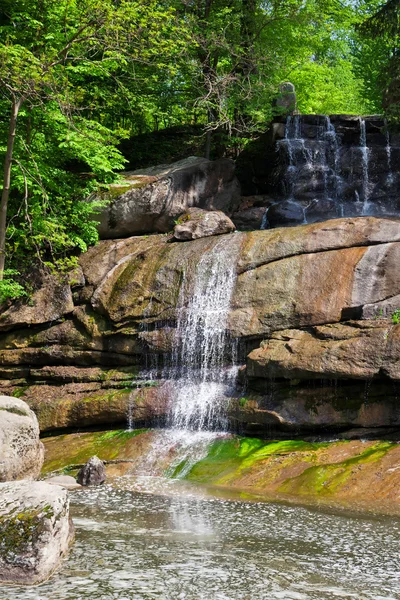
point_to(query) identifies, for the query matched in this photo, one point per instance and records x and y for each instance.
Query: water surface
(184, 545)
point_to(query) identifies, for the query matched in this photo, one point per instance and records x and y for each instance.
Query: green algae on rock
(340, 471)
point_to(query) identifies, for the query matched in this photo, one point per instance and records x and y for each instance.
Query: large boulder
(197, 223)
(150, 200)
(35, 531)
(21, 451)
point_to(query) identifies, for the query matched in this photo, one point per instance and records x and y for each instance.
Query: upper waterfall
(331, 166)
(311, 168)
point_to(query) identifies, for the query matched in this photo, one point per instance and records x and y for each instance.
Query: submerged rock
(35, 531)
(92, 473)
(21, 451)
(197, 223)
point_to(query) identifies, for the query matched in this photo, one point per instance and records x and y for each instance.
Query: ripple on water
(142, 546)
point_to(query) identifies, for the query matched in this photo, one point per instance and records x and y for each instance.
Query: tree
(380, 31)
(59, 62)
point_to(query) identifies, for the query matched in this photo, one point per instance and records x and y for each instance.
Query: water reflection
(142, 546)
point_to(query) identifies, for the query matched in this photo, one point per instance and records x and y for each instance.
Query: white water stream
(365, 167)
(202, 372)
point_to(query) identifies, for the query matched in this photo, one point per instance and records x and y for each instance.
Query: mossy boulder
(35, 531)
(21, 452)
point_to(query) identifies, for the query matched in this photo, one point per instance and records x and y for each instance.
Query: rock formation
(150, 200)
(311, 303)
(21, 451)
(35, 531)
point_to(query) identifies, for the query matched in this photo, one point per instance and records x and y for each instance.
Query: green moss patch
(19, 530)
(65, 451)
(327, 479)
(230, 458)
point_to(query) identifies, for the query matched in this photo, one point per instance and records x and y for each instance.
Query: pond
(148, 539)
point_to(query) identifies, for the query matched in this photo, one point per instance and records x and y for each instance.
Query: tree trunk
(16, 105)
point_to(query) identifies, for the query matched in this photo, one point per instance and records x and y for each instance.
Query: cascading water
(312, 156)
(201, 378)
(388, 150)
(329, 167)
(202, 372)
(365, 167)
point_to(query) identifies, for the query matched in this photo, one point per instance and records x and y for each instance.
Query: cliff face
(312, 307)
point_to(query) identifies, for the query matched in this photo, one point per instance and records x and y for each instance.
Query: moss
(15, 411)
(122, 373)
(19, 530)
(64, 451)
(227, 459)
(116, 190)
(20, 391)
(182, 219)
(326, 479)
(106, 396)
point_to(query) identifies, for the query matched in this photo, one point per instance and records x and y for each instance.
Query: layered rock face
(314, 167)
(311, 303)
(35, 531)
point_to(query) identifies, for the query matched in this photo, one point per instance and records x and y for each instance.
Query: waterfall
(388, 149)
(365, 166)
(312, 155)
(200, 378)
(333, 166)
(202, 371)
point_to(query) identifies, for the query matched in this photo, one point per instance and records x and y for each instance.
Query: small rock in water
(93, 473)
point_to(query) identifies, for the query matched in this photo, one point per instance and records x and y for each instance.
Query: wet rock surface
(21, 451)
(35, 531)
(92, 473)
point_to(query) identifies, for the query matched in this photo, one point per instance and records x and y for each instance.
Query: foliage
(379, 37)
(91, 74)
(10, 289)
(64, 65)
(396, 317)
